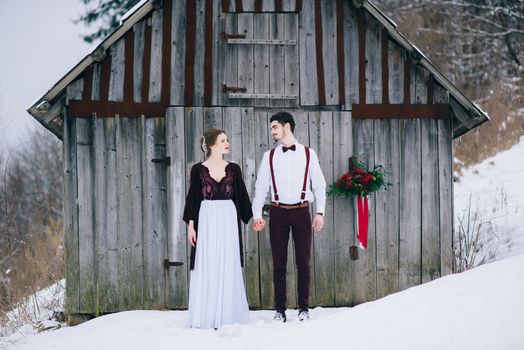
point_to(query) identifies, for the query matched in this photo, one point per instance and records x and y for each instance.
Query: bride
(216, 202)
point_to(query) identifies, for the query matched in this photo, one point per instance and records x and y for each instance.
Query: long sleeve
(244, 204)
(318, 183)
(191, 207)
(261, 186)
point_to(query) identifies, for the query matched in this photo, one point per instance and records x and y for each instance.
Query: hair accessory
(204, 145)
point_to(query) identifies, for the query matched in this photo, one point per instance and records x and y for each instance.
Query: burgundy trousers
(280, 223)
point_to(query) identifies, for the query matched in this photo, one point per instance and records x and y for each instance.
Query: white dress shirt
(289, 168)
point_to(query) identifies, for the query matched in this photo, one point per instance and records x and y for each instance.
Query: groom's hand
(259, 224)
(318, 223)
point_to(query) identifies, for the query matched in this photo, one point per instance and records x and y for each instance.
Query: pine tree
(105, 15)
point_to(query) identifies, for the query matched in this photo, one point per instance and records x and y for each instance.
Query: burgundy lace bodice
(213, 190)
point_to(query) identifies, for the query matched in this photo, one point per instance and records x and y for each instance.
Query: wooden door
(259, 59)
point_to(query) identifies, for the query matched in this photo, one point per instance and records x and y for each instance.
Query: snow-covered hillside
(496, 190)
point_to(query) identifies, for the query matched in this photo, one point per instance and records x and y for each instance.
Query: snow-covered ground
(496, 190)
(482, 308)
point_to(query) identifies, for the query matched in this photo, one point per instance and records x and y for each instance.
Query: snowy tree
(104, 15)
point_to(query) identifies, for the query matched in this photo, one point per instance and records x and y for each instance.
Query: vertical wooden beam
(385, 67)
(278, 5)
(190, 52)
(340, 52)
(88, 84)
(166, 51)
(128, 68)
(298, 5)
(225, 6)
(320, 60)
(208, 58)
(238, 6)
(104, 79)
(362, 56)
(258, 5)
(431, 88)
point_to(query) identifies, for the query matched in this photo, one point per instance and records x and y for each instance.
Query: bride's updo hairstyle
(209, 139)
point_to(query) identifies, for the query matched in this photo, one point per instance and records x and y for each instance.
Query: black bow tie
(290, 148)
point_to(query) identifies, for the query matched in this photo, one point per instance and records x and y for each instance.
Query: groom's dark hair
(283, 118)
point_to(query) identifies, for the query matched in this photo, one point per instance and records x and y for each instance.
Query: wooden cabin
(131, 115)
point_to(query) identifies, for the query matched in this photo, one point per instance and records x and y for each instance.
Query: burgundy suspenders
(303, 194)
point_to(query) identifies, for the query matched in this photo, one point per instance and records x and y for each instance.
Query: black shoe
(280, 316)
(303, 315)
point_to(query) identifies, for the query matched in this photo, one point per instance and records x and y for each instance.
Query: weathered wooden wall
(154, 95)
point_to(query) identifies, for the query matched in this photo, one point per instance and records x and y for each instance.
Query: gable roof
(468, 114)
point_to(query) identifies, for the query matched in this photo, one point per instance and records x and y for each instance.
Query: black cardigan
(194, 199)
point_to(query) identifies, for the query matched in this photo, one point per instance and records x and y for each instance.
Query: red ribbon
(363, 220)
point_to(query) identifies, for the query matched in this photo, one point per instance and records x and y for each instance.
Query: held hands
(318, 223)
(259, 224)
(191, 235)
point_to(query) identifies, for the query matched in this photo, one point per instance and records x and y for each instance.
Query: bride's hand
(191, 236)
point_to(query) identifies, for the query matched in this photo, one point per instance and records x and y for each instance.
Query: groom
(290, 170)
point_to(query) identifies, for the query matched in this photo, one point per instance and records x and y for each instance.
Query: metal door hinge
(166, 160)
(168, 264)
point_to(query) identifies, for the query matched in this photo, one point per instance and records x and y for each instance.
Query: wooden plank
(373, 60)
(129, 192)
(146, 69)
(268, 6)
(430, 250)
(228, 59)
(329, 51)
(261, 63)
(249, 163)
(155, 77)
(209, 34)
(167, 14)
(321, 130)
(74, 91)
(116, 80)
(86, 253)
(189, 73)
(178, 52)
(396, 72)
(386, 136)
(430, 201)
(245, 56)
(319, 44)
(292, 66)
(95, 90)
(343, 212)
(445, 185)
(351, 54)
(277, 58)
(410, 204)
(177, 289)
(154, 209)
(105, 203)
(362, 79)
(212, 118)
(138, 67)
(198, 77)
(263, 144)
(308, 60)
(365, 267)
(72, 273)
(129, 43)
